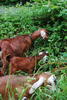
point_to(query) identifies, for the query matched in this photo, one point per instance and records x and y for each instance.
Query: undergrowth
(52, 15)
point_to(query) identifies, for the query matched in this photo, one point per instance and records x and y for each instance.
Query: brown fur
(8, 84)
(17, 46)
(26, 64)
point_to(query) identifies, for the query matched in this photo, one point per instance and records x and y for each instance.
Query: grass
(19, 20)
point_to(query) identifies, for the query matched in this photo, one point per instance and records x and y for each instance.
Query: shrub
(51, 15)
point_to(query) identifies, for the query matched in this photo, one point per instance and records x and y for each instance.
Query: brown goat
(26, 64)
(18, 45)
(16, 84)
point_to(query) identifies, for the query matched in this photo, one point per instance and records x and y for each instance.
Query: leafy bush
(51, 15)
(9, 2)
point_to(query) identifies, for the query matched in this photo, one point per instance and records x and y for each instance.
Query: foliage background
(49, 14)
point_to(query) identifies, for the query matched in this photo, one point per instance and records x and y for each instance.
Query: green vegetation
(52, 15)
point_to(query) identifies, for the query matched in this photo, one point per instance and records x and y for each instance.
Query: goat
(18, 45)
(26, 64)
(16, 84)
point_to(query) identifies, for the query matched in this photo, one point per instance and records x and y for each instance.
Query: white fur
(51, 80)
(46, 51)
(24, 98)
(45, 58)
(40, 53)
(43, 34)
(36, 85)
(0, 53)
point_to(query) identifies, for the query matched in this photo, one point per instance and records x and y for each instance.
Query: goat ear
(37, 84)
(8, 57)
